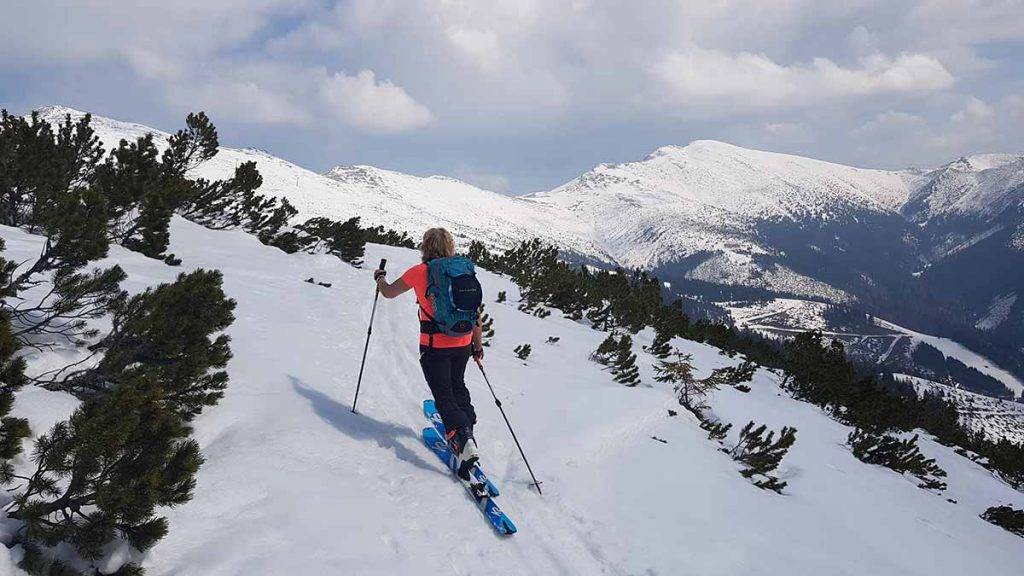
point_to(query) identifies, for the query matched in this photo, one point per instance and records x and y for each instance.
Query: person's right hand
(378, 274)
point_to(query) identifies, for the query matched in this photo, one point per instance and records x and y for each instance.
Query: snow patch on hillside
(995, 417)
(723, 269)
(960, 352)
(1017, 240)
(998, 312)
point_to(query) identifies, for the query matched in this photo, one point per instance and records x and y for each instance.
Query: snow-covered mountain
(295, 483)
(941, 250)
(710, 196)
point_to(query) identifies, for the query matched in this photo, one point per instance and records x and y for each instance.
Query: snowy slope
(295, 483)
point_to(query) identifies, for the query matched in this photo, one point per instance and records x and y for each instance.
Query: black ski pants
(445, 371)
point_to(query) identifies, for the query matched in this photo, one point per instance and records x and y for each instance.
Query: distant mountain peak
(980, 162)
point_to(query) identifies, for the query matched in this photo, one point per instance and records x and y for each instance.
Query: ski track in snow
(294, 483)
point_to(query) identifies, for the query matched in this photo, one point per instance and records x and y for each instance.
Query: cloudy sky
(518, 96)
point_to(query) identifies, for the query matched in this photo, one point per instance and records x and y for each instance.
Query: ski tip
(428, 407)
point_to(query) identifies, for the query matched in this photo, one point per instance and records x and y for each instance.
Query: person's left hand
(378, 274)
(478, 354)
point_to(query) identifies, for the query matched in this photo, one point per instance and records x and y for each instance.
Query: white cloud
(374, 106)
(1013, 107)
(970, 127)
(974, 126)
(974, 112)
(788, 131)
(481, 179)
(244, 101)
(890, 123)
(481, 47)
(861, 42)
(714, 79)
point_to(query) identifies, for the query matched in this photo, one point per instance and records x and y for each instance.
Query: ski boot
(463, 446)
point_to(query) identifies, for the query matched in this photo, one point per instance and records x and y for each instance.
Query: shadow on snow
(362, 427)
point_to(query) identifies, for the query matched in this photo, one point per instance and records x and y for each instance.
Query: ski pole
(497, 402)
(369, 330)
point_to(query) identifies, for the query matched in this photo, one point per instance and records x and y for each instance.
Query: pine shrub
(523, 351)
(691, 392)
(342, 239)
(761, 454)
(606, 350)
(1006, 517)
(902, 456)
(660, 347)
(12, 378)
(716, 430)
(623, 365)
(486, 327)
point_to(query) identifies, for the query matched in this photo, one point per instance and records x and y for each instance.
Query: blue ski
(487, 505)
(430, 411)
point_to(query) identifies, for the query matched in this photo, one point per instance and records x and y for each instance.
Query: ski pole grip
(383, 262)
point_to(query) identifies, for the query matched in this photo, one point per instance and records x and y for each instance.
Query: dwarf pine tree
(902, 456)
(342, 239)
(49, 190)
(678, 371)
(1006, 517)
(761, 454)
(623, 364)
(660, 347)
(167, 334)
(736, 375)
(716, 430)
(39, 165)
(137, 190)
(12, 378)
(501, 297)
(101, 473)
(388, 237)
(486, 327)
(191, 146)
(523, 351)
(606, 350)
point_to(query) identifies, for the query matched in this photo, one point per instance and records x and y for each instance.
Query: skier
(443, 357)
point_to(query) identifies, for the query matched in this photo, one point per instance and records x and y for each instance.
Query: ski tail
(430, 411)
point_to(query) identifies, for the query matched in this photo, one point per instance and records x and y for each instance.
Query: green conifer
(486, 327)
(624, 366)
(761, 454)
(523, 351)
(660, 347)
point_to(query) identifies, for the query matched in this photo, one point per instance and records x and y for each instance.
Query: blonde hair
(437, 243)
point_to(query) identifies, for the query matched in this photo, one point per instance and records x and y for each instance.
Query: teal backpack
(456, 294)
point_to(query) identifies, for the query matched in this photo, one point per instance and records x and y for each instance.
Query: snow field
(294, 483)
